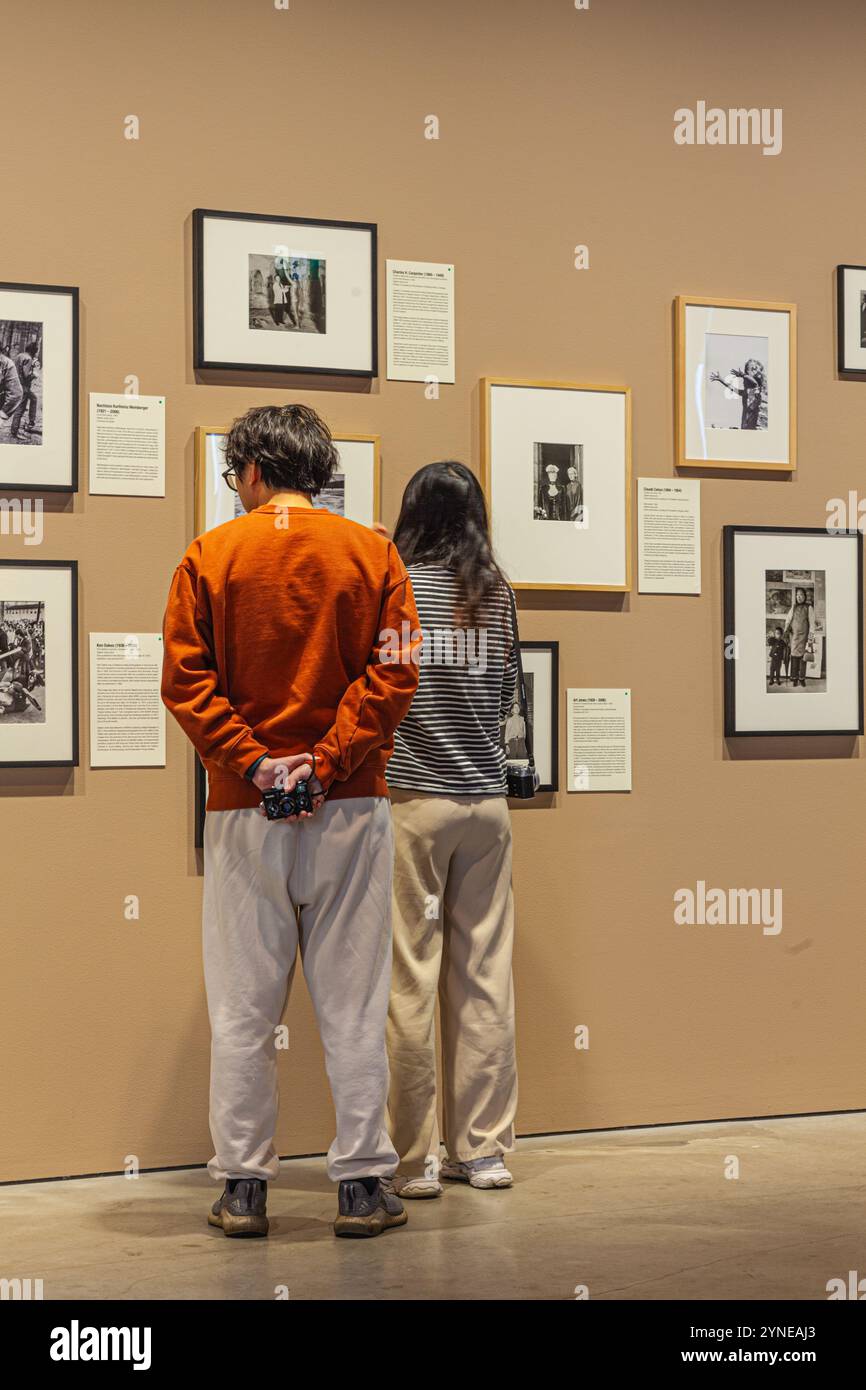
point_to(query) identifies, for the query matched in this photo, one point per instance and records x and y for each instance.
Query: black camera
(521, 782)
(279, 804)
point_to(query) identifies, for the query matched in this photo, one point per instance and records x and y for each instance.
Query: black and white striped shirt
(449, 742)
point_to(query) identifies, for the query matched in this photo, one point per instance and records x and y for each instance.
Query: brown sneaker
(367, 1207)
(242, 1208)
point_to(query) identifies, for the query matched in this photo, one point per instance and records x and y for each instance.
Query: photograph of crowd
(558, 482)
(20, 382)
(287, 293)
(796, 623)
(22, 662)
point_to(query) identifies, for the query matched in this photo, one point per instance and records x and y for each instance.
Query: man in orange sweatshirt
(291, 649)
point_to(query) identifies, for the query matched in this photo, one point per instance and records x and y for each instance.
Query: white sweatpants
(323, 885)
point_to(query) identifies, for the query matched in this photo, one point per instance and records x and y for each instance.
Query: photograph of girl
(736, 396)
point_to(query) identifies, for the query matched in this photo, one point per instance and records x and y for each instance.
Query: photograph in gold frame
(360, 462)
(735, 370)
(556, 473)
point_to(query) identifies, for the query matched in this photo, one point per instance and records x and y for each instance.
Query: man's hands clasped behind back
(285, 774)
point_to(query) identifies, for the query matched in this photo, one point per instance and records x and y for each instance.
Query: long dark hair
(443, 521)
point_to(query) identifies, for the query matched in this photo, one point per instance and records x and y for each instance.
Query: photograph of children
(796, 630)
(736, 381)
(22, 662)
(333, 497)
(287, 293)
(513, 727)
(20, 382)
(558, 482)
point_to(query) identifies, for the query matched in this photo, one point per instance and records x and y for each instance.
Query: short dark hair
(291, 444)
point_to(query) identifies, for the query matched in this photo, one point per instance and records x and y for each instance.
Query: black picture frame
(204, 364)
(72, 567)
(200, 801)
(729, 535)
(850, 373)
(27, 484)
(553, 649)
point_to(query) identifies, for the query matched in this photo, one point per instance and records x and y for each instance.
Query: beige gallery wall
(556, 128)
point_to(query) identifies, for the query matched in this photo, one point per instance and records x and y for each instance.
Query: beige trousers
(323, 887)
(453, 933)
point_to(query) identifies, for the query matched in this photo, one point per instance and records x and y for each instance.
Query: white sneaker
(478, 1172)
(416, 1187)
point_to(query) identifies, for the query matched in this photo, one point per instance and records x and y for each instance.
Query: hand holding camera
(289, 790)
(288, 805)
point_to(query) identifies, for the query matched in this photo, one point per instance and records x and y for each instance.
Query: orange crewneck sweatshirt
(273, 634)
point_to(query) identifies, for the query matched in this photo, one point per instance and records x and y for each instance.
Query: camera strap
(521, 682)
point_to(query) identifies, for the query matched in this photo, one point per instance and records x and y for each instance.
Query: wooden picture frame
(204, 485)
(746, 634)
(342, 337)
(51, 394)
(690, 418)
(607, 566)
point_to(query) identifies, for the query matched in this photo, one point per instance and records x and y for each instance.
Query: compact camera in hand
(279, 804)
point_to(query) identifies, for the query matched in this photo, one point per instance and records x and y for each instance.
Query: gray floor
(640, 1214)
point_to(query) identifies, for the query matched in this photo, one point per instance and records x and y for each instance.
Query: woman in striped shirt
(453, 912)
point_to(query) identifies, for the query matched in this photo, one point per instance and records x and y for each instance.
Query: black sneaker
(367, 1207)
(242, 1208)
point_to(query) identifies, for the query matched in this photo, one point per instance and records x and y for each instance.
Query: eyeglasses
(230, 478)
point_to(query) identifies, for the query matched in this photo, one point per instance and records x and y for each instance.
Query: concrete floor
(638, 1214)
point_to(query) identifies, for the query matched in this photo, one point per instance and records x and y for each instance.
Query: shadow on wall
(38, 781)
(291, 381)
(796, 748)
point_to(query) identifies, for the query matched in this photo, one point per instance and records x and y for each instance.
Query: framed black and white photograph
(541, 674)
(287, 294)
(284, 294)
(735, 384)
(558, 482)
(556, 461)
(851, 320)
(793, 631)
(39, 387)
(354, 491)
(38, 663)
